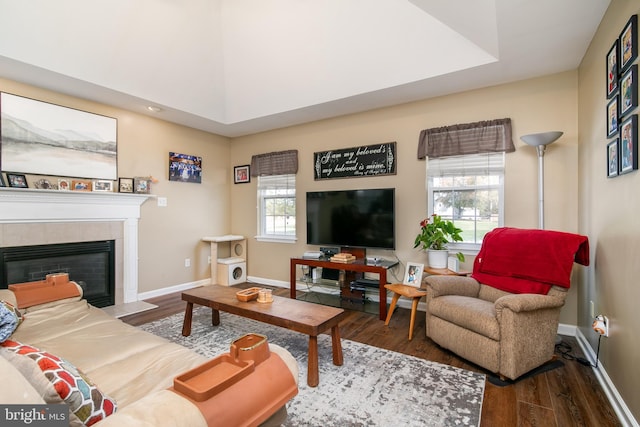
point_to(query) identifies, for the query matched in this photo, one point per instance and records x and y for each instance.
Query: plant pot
(437, 258)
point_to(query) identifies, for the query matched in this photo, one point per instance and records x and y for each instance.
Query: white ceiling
(235, 67)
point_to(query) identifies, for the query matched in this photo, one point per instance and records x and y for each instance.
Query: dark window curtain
(489, 136)
(276, 163)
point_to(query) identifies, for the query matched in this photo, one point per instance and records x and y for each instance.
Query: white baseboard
(172, 289)
(619, 406)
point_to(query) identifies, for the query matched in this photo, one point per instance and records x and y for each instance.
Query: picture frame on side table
(612, 117)
(241, 174)
(125, 185)
(612, 70)
(17, 180)
(612, 159)
(629, 144)
(629, 91)
(629, 43)
(103, 186)
(142, 184)
(413, 274)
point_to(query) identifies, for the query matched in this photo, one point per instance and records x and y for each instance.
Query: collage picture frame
(622, 96)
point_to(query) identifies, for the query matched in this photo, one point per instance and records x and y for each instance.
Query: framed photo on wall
(185, 168)
(413, 274)
(629, 43)
(612, 70)
(241, 174)
(612, 158)
(629, 144)
(629, 91)
(612, 117)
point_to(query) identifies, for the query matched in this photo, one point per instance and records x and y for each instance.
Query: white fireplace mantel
(19, 205)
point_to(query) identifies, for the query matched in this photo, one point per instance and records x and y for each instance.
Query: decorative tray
(212, 377)
(247, 294)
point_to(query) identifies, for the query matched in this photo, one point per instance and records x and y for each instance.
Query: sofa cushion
(470, 313)
(58, 381)
(10, 319)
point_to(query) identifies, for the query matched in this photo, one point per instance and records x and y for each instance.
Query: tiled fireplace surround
(39, 217)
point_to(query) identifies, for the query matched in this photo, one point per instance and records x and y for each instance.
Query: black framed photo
(612, 70)
(629, 43)
(17, 180)
(612, 117)
(612, 159)
(629, 144)
(241, 174)
(125, 185)
(629, 91)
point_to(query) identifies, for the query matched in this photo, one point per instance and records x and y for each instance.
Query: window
(468, 190)
(277, 207)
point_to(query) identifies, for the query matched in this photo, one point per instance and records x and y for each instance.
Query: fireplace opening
(90, 264)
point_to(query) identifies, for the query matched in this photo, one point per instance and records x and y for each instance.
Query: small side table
(409, 292)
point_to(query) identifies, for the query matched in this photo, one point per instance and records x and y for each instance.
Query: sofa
(129, 372)
(505, 317)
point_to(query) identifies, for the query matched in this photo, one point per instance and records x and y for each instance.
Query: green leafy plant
(435, 233)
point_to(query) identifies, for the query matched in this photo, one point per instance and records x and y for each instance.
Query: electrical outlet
(187, 262)
(162, 202)
(209, 259)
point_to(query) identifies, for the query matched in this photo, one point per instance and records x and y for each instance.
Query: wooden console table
(359, 266)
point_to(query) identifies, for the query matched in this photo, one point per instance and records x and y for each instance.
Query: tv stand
(359, 266)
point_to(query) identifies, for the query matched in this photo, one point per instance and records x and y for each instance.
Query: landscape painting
(46, 139)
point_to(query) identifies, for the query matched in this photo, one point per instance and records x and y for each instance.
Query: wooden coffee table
(300, 316)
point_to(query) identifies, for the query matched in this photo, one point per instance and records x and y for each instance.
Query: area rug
(374, 387)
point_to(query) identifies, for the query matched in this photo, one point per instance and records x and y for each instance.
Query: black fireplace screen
(90, 264)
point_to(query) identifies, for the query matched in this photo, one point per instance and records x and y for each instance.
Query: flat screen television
(355, 218)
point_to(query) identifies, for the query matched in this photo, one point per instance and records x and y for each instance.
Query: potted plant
(434, 235)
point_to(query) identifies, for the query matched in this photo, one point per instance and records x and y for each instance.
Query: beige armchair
(505, 333)
(505, 317)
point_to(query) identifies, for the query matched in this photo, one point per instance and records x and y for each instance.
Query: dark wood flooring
(566, 396)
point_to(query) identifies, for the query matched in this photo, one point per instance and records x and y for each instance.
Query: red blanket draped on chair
(529, 261)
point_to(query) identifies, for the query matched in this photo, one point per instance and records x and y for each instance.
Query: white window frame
(472, 164)
(275, 186)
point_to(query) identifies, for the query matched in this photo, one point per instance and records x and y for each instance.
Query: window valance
(489, 136)
(275, 163)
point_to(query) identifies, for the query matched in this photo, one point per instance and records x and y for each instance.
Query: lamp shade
(544, 138)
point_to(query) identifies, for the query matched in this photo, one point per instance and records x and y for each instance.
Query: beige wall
(543, 104)
(166, 235)
(609, 216)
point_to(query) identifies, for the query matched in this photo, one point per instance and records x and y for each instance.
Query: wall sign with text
(368, 160)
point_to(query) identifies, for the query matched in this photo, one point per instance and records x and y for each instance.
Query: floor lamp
(540, 141)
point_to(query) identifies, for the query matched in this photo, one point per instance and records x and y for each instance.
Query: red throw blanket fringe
(529, 261)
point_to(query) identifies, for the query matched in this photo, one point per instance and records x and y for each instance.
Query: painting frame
(413, 274)
(241, 174)
(125, 185)
(81, 185)
(628, 151)
(185, 168)
(629, 91)
(17, 180)
(64, 184)
(628, 44)
(613, 157)
(612, 70)
(42, 138)
(613, 113)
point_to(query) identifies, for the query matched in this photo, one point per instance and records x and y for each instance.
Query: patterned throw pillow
(58, 381)
(10, 319)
